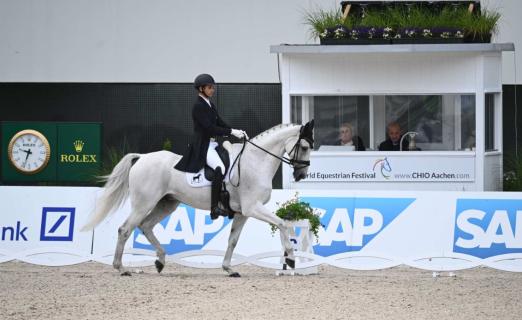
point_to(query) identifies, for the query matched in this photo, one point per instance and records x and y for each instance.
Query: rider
(207, 126)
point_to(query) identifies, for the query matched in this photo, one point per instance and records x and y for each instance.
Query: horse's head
(299, 150)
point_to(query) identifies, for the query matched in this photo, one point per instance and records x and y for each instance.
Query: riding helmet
(203, 80)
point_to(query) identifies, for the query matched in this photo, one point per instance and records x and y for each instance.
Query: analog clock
(29, 151)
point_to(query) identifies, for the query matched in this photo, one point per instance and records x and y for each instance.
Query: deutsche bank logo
(488, 227)
(57, 224)
(351, 223)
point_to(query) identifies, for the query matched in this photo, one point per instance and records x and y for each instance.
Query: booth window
(490, 122)
(420, 114)
(467, 120)
(437, 122)
(331, 114)
(444, 122)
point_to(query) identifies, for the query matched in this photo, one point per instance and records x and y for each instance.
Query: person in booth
(394, 133)
(346, 138)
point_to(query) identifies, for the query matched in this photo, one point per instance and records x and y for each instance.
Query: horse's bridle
(293, 162)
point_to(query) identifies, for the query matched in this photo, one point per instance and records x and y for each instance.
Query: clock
(29, 151)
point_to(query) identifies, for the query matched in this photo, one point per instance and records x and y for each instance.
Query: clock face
(29, 151)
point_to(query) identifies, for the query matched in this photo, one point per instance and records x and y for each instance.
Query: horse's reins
(291, 162)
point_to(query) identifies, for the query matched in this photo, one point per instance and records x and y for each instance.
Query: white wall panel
(362, 73)
(146, 41)
(169, 41)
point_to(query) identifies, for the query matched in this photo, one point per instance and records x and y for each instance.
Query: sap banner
(361, 230)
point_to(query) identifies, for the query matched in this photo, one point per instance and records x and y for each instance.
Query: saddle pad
(198, 179)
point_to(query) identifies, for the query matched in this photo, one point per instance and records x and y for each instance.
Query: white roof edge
(398, 48)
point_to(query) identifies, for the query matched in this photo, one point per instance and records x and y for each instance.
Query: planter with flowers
(299, 215)
(401, 22)
(295, 210)
(413, 35)
(357, 35)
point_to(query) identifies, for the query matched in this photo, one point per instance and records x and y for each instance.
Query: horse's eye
(304, 148)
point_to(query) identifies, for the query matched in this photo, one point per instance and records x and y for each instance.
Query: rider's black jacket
(207, 124)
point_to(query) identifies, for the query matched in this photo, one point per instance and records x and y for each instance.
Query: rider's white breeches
(213, 159)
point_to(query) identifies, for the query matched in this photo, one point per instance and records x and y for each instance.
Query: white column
(479, 123)
(284, 65)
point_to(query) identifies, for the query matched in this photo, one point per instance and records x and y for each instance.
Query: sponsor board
(41, 224)
(488, 227)
(367, 168)
(402, 227)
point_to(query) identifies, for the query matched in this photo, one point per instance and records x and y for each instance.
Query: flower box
(333, 41)
(401, 22)
(426, 40)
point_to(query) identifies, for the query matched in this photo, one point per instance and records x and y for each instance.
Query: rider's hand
(238, 133)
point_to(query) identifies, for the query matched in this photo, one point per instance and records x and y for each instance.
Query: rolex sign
(78, 151)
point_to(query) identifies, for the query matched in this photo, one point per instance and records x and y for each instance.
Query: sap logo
(185, 229)
(488, 227)
(14, 233)
(351, 223)
(57, 224)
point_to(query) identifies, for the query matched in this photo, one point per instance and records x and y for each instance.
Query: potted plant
(402, 22)
(481, 28)
(296, 210)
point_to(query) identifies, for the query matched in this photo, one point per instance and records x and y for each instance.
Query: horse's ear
(307, 132)
(309, 126)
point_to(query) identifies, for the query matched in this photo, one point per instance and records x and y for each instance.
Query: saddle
(223, 155)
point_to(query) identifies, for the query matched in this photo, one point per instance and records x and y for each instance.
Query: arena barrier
(363, 230)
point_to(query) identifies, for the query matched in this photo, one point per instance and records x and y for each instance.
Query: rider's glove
(239, 133)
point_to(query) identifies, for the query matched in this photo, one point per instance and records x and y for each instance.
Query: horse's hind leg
(165, 207)
(237, 226)
(137, 215)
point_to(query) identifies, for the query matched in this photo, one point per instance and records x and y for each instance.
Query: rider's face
(208, 90)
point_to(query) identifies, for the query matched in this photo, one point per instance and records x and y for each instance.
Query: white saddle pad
(198, 180)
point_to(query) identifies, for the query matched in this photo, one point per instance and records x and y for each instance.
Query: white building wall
(167, 40)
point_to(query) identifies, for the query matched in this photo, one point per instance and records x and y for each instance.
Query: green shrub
(294, 210)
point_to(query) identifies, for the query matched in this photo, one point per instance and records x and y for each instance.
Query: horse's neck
(274, 142)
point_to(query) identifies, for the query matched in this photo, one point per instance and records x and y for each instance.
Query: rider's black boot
(215, 210)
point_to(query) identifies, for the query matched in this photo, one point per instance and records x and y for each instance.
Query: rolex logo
(78, 145)
(78, 158)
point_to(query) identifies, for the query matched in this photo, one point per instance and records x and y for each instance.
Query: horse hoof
(290, 263)
(234, 275)
(159, 265)
(126, 274)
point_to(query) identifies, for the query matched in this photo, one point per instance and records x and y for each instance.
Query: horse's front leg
(235, 232)
(260, 212)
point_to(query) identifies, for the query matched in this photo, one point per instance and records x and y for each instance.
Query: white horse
(156, 189)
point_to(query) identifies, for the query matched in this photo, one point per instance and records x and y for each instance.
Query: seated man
(394, 133)
(346, 138)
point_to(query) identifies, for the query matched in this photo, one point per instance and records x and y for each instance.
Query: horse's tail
(115, 192)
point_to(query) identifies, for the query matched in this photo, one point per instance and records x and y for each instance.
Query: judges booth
(446, 100)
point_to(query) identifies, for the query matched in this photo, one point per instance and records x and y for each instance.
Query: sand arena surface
(96, 291)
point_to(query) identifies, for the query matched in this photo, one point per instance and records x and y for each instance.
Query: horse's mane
(278, 127)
